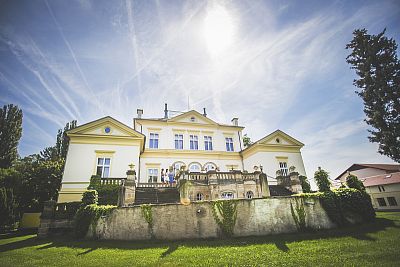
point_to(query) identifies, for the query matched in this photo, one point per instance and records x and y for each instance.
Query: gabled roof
(188, 114)
(385, 167)
(124, 130)
(382, 179)
(276, 134)
(192, 113)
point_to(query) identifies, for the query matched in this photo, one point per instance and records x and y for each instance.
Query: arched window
(227, 195)
(194, 167)
(249, 194)
(177, 166)
(199, 196)
(210, 166)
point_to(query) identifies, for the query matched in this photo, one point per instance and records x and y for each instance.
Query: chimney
(204, 112)
(166, 111)
(235, 121)
(139, 112)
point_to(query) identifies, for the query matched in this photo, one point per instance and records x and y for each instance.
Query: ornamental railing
(156, 185)
(235, 175)
(112, 181)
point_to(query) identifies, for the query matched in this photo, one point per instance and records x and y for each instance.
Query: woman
(162, 175)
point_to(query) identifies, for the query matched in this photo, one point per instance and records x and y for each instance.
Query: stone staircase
(149, 195)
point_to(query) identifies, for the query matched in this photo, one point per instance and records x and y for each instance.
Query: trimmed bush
(108, 194)
(89, 197)
(95, 182)
(89, 215)
(353, 182)
(322, 180)
(305, 185)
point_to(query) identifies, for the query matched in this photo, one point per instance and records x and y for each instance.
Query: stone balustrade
(112, 181)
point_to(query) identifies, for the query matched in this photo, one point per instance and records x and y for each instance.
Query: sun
(218, 29)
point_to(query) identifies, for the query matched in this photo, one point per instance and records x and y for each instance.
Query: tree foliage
(10, 133)
(352, 181)
(375, 60)
(60, 149)
(246, 141)
(305, 185)
(321, 177)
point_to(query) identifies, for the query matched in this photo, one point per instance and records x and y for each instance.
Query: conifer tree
(375, 60)
(10, 133)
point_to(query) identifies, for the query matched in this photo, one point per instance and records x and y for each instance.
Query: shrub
(95, 182)
(89, 197)
(323, 183)
(305, 185)
(89, 215)
(340, 204)
(7, 207)
(108, 194)
(353, 182)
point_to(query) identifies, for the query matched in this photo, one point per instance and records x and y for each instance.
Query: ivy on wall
(343, 203)
(225, 214)
(89, 215)
(299, 214)
(107, 193)
(147, 213)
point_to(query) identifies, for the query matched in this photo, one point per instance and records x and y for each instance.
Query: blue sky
(273, 64)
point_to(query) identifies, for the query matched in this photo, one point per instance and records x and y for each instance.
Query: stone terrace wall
(176, 221)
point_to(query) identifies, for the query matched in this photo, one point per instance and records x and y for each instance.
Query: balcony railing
(112, 181)
(237, 175)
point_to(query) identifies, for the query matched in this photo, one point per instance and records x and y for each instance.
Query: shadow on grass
(280, 241)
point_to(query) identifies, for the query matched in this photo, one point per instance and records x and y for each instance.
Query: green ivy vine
(147, 214)
(225, 214)
(89, 215)
(299, 214)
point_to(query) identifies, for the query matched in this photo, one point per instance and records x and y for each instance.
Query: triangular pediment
(279, 138)
(192, 117)
(106, 126)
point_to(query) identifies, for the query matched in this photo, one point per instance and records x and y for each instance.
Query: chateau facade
(156, 147)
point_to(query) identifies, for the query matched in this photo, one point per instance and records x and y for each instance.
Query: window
(194, 167)
(392, 201)
(210, 166)
(208, 143)
(381, 201)
(283, 167)
(381, 188)
(229, 144)
(177, 166)
(103, 167)
(153, 175)
(153, 140)
(199, 196)
(249, 195)
(194, 142)
(227, 195)
(107, 129)
(178, 141)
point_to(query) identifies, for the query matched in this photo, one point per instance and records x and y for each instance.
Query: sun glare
(218, 29)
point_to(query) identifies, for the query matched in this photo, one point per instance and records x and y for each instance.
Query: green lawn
(375, 244)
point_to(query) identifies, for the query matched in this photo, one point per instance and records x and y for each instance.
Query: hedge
(343, 203)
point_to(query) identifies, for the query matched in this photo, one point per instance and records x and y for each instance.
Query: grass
(374, 244)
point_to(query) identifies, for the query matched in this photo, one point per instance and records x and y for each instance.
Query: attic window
(107, 129)
(192, 119)
(277, 140)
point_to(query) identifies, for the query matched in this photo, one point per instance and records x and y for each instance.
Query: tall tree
(375, 60)
(10, 133)
(246, 141)
(60, 149)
